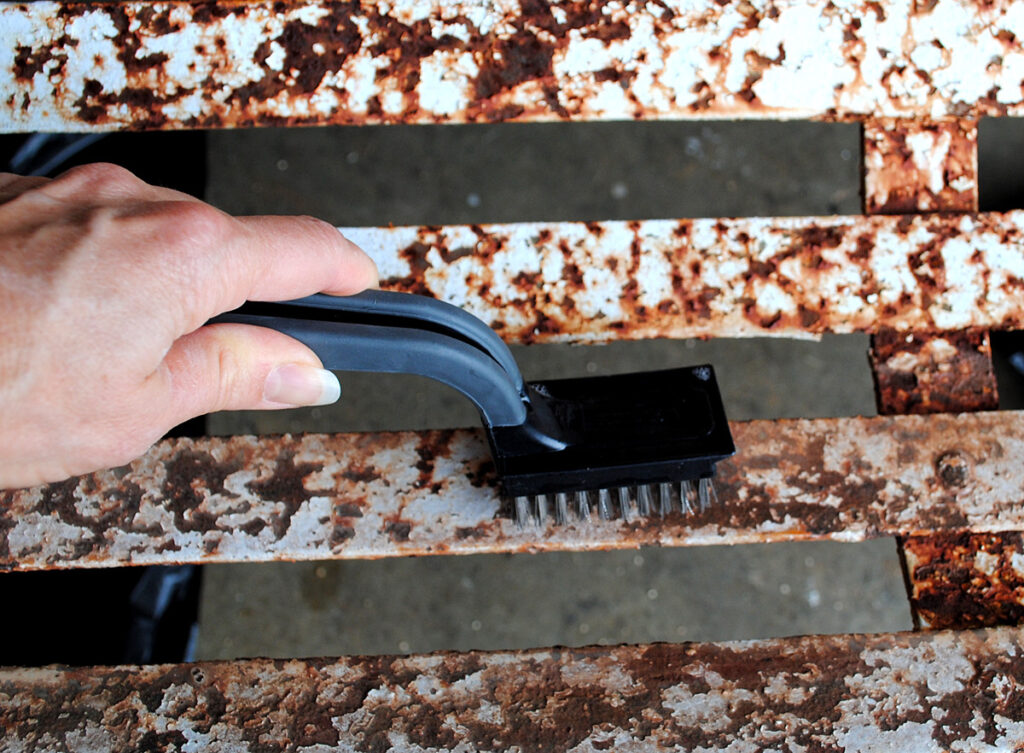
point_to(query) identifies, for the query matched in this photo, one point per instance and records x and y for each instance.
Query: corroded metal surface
(917, 167)
(903, 692)
(912, 166)
(953, 580)
(579, 282)
(917, 373)
(94, 65)
(378, 495)
(966, 580)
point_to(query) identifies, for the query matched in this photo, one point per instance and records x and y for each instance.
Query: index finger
(291, 257)
(197, 262)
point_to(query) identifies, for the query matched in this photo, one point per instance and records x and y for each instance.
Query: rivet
(953, 468)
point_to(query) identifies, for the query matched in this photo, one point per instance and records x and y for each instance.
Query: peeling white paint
(848, 290)
(804, 59)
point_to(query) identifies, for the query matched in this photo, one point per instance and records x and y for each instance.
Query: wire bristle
(704, 491)
(686, 494)
(522, 510)
(644, 502)
(540, 509)
(694, 496)
(561, 508)
(625, 505)
(665, 498)
(583, 505)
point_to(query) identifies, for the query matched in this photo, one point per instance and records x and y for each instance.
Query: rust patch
(191, 477)
(939, 373)
(521, 57)
(285, 486)
(397, 530)
(966, 580)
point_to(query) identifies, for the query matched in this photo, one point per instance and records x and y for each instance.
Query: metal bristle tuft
(665, 498)
(604, 504)
(705, 489)
(644, 500)
(686, 497)
(625, 504)
(540, 509)
(561, 508)
(583, 505)
(522, 510)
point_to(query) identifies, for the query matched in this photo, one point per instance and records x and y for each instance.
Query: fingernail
(298, 384)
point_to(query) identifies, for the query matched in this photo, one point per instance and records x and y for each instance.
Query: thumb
(242, 367)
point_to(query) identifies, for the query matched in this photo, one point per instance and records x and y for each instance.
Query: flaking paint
(139, 65)
(364, 496)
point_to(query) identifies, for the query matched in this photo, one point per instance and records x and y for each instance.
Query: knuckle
(191, 238)
(194, 225)
(98, 176)
(321, 230)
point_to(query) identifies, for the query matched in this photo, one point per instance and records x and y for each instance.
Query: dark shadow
(1001, 164)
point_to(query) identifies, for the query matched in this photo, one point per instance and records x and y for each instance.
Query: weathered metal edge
(790, 277)
(966, 580)
(147, 65)
(362, 496)
(913, 166)
(904, 691)
(954, 580)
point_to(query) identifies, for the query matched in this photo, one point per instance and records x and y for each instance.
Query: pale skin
(106, 284)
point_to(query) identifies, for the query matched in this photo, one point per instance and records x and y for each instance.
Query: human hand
(105, 285)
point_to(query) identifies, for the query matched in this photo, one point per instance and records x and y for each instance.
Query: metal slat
(796, 277)
(945, 373)
(920, 166)
(364, 496)
(905, 692)
(102, 66)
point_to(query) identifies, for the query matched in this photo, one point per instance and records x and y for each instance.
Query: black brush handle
(400, 333)
(408, 310)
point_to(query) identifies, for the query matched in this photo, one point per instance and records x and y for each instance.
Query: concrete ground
(453, 174)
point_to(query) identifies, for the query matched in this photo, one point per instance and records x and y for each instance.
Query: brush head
(614, 432)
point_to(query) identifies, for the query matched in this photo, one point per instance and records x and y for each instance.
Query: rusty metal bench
(921, 270)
